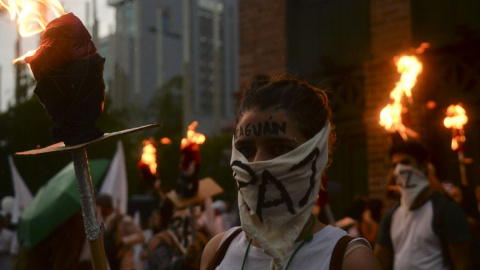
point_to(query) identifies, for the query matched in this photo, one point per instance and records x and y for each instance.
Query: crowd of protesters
(433, 226)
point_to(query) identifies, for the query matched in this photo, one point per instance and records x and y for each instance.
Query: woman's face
(264, 135)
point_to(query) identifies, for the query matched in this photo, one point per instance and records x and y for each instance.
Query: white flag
(115, 182)
(23, 197)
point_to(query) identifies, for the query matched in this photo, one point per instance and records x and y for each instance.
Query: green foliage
(166, 108)
(215, 152)
(26, 125)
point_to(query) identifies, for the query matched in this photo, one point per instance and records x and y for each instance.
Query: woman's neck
(306, 229)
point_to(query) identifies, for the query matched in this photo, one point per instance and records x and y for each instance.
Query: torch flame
(456, 119)
(165, 140)
(192, 136)
(391, 115)
(29, 53)
(31, 16)
(28, 13)
(149, 156)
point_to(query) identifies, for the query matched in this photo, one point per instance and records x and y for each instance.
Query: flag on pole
(115, 182)
(23, 197)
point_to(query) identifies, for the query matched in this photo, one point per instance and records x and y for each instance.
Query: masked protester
(426, 230)
(280, 148)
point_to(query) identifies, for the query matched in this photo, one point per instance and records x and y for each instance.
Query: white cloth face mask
(276, 196)
(411, 182)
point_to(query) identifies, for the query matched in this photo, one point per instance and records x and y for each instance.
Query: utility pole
(217, 66)
(159, 49)
(1, 94)
(19, 91)
(95, 23)
(187, 65)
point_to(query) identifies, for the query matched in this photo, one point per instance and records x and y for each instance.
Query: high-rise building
(160, 40)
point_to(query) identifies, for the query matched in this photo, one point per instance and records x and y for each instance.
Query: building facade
(159, 41)
(347, 47)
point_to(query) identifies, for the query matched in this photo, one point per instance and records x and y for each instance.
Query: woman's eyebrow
(243, 140)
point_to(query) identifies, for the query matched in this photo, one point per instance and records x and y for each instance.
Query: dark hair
(412, 148)
(375, 206)
(305, 104)
(166, 212)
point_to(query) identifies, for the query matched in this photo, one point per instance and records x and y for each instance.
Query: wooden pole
(93, 228)
(463, 171)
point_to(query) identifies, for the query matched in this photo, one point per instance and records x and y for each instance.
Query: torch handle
(463, 171)
(93, 228)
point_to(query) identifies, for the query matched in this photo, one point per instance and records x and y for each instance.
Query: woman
(280, 148)
(160, 251)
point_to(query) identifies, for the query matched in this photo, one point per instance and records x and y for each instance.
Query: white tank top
(314, 255)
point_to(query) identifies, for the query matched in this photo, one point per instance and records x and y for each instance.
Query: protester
(120, 235)
(7, 238)
(190, 160)
(172, 247)
(362, 219)
(280, 148)
(412, 233)
(160, 251)
(353, 215)
(230, 217)
(465, 197)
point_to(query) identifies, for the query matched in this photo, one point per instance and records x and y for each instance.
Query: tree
(26, 126)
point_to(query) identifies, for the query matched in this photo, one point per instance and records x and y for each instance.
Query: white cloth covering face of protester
(276, 196)
(411, 182)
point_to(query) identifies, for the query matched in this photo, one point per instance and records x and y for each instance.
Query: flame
(409, 67)
(192, 136)
(165, 140)
(18, 59)
(28, 13)
(456, 119)
(149, 156)
(32, 16)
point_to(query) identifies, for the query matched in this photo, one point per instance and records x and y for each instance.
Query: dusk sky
(106, 17)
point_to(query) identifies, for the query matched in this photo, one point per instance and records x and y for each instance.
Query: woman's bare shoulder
(210, 250)
(360, 257)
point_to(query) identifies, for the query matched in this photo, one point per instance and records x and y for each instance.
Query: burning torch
(456, 118)
(187, 184)
(69, 83)
(391, 115)
(148, 163)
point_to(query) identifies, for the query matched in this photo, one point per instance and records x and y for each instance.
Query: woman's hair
(305, 104)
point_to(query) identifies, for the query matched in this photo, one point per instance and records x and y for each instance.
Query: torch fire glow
(391, 115)
(149, 156)
(192, 136)
(32, 16)
(456, 118)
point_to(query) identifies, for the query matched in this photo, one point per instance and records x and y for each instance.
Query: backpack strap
(336, 261)
(222, 250)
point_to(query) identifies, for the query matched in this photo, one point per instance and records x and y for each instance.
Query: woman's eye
(247, 151)
(279, 150)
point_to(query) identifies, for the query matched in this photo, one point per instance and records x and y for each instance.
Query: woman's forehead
(255, 114)
(271, 122)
